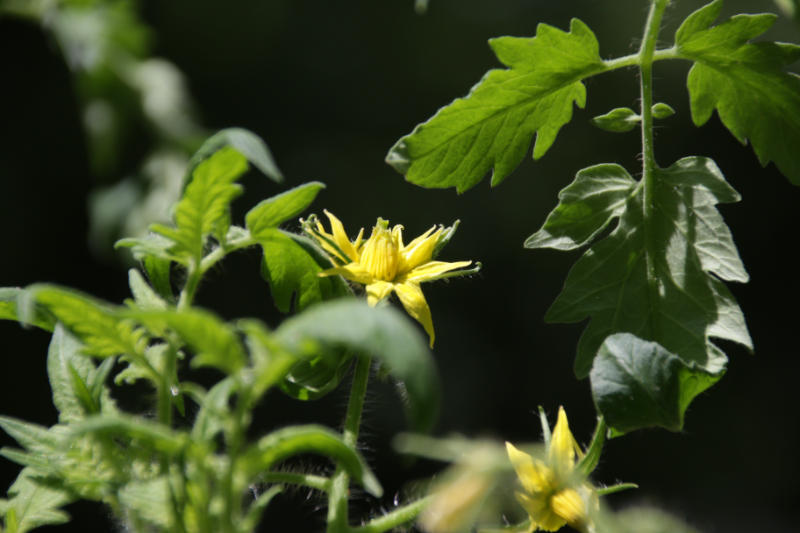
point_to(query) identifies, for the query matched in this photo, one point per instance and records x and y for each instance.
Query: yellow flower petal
(351, 271)
(377, 291)
(569, 505)
(340, 237)
(534, 475)
(415, 305)
(540, 513)
(420, 250)
(431, 270)
(563, 446)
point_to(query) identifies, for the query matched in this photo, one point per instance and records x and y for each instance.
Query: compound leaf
(638, 384)
(492, 127)
(684, 237)
(747, 83)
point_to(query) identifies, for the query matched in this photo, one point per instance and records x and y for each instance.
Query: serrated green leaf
(294, 440)
(149, 500)
(66, 368)
(274, 211)
(291, 266)
(35, 504)
(618, 120)
(585, 208)
(662, 110)
(638, 384)
(154, 251)
(214, 342)
(9, 309)
(492, 127)
(205, 206)
(32, 437)
(246, 143)
(96, 323)
(691, 249)
(383, 333)
(144, 295)
(214, 412)
(747, 83)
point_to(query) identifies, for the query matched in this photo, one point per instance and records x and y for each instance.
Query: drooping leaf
(155, 251)
(214, 342)
(638, 384)
(747, 83)
(144, 432)
(246, 143)
(293, 440)
(383, 333)
(492, 127)
(204, 208)
(97, 324)
(34, 504)
(618, 120)
(274, 211)
(682, 304)
(291, 266)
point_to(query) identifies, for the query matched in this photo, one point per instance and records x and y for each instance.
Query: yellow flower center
(381, 253)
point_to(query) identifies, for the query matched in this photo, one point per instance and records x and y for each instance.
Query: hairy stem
(396, 518)
(649, 166)
(338, 495)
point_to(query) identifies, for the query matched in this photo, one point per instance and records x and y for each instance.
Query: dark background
(331, 86)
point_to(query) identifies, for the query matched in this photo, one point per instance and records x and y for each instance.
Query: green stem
(398, 517)
(338, 495)
(319, 483)
(649, 166)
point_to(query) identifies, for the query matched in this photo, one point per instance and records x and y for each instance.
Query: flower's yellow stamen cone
(569, 505)
(381, 254)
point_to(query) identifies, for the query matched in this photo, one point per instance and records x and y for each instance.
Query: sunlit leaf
(149, 499)
(492, 127)
(34, 504)
(272, 212)
(204, 208)
(144, 432)
(383, 333)
(638, 384)
(747, 83)
(67, 369)
(682, 304)
(618, 120)
(294, 440)
(9, 309)
(246, 143)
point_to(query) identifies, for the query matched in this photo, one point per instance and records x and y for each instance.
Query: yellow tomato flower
(555, 493)
(384, 264)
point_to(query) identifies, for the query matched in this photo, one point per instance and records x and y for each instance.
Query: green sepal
(294, 440)
(638, 384)
(619, 120)
(592, 457)
(612, 489)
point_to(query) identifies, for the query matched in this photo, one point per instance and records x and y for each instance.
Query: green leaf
(383, 333)
(492, 127)
(246, 143)
(274, 211)
(32, 437)
(155, 251)
(598, 195)
(690, 248)
(205, 206)
(214, 412)
(662, 110)
(9, 304)
(67, 369)
(747, 83)
(214, 342)
(145, 297)
(618, 120)
(638, 384)
(144, 432)
(34, 504)
(271, 363)
(294, 440)
(148, 499)
(291, 266)
(95, 323)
